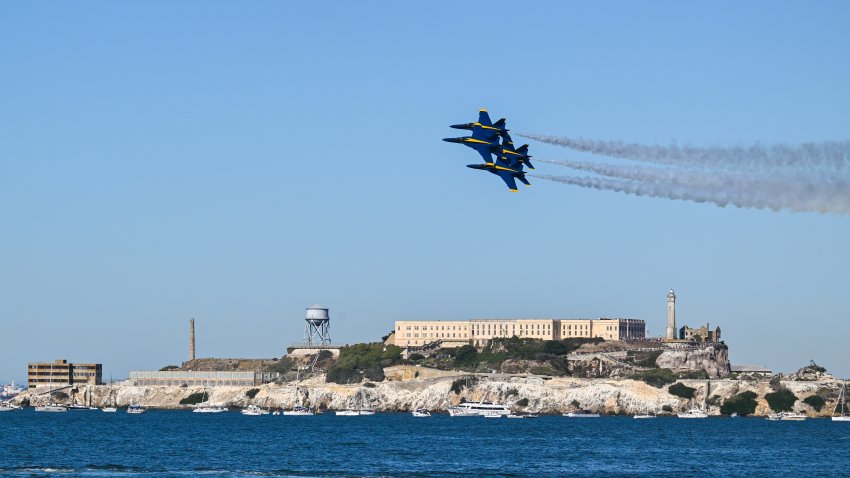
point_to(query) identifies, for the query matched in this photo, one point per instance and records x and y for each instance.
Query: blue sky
(236, 162)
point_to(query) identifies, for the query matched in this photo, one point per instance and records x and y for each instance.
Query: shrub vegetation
(252, 393)
(193, 399)
(681, 390)
(743, 403)
(656, 377)
(815, 401)
(781, 400)
(358, 360)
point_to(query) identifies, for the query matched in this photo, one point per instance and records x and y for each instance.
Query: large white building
(479, 331)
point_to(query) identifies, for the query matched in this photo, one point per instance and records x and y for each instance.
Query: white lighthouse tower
(671, 315)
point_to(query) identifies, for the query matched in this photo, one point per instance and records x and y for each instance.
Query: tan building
(701, 334)
(480, 331)
(60, 373)
(201, 378)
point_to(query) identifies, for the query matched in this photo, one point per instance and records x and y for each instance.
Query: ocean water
(181, 443)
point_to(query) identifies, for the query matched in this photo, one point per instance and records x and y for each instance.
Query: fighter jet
(509, 169)
(507, 149)
(485, 135)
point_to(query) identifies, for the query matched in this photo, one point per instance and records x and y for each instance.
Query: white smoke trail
(799, 198)
(830, 155)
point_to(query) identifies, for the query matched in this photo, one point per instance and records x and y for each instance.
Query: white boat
(515, 416)
(582, 414)
(276, 412)
(421, 413)
(643, 416)
(51, 407)
(365, 412)
(787, 416)
(299, 411)
(842, 415)
(492, 415)
(693, 413)
(136, 409)
(7, 407)
(468, 409)
(254, 411)
(347, 413)
(109, 409)
(11, 390)
(734, 415)
(210, 409)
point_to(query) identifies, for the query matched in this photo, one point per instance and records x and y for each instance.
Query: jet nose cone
(453, 140)
(459, 126)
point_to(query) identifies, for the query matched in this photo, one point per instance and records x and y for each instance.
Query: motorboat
(136, 409)
(347, 413)
(8, 407)
(787, 416)
(210, 409)
(693, 413)
(582, 414)
(841, 415)
(365, 412)
(51, 407)
(421, 413)
(109, 409)
(276, 412)
(515, 416)
(643, 416)
(734, 415)
(492, 415)
(254, 411)
(299, 411)
(478, 408)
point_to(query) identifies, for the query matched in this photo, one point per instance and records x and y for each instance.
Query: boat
(693, 413)
(254, 411)
(582, 414)
(734, 415)
(136, 409)
(787, 417)
(515, 416)
(468, 409)
(11, 390)
(365, 411)
(842, 416)
(644, 416)
(109, 409)
(80, 407)
(421, 413)
(492, 415)
(347, 413)
(210, 409)
(8, 407)
(51, 407)
(299, 411)
(276, 412)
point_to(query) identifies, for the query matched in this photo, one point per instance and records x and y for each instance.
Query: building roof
(750, 368)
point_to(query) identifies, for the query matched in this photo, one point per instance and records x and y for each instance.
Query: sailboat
(206, 407)
(842, 399)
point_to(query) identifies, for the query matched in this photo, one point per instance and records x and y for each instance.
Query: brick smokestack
(191, 339)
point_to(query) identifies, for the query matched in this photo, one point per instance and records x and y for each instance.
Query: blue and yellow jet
(507, 149)
(509, 169)
(485, 135)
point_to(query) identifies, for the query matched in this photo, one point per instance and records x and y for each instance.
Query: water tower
(317, 330)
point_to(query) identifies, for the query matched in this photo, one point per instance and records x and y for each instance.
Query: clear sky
(238, 161)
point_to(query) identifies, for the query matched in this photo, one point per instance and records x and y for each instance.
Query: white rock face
(714, 360)
(555, 395)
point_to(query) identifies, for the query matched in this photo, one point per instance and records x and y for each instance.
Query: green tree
(466, 356)
(781, 400)
(743, 403)
(679, 389)
(815, 401)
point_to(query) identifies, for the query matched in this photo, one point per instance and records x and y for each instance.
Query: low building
(197, 378)
(701, 334)
(759, 370)
(453, 333)
(61, 373)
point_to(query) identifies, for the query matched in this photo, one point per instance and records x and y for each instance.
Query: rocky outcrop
(711, 358)
(527, 393)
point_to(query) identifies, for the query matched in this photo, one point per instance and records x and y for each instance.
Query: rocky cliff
(713, 359)
(524, 393)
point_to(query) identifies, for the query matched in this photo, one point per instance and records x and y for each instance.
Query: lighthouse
(671, 315)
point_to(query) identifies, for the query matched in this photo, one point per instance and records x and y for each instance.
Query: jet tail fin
(500, 124)
(522, 179)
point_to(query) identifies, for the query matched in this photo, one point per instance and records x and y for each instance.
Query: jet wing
(508, 178)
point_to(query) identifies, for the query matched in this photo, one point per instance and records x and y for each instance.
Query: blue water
(180, 443)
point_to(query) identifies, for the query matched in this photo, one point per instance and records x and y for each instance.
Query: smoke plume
(755, 196)
(828, 155)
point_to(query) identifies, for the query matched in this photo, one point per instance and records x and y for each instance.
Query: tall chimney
(191, 339)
